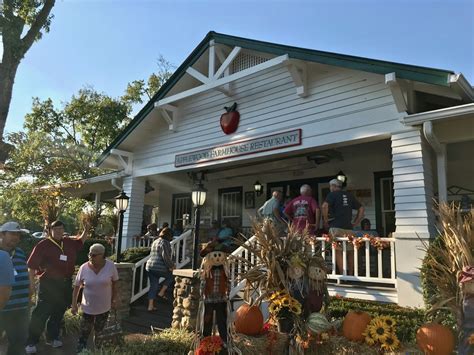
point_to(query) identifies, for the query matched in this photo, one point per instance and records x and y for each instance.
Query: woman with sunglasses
(98, 278)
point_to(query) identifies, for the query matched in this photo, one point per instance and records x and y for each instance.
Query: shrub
(27, 243)
(72, 323)
(408, 319)
(82, 255)
(133, 255)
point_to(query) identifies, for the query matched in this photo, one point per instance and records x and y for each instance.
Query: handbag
(112, 334)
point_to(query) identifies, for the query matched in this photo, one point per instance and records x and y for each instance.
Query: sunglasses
(92, 255)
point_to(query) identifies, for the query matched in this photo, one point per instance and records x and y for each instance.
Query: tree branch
(36, 27)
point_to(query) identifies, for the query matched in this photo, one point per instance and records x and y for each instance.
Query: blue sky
(107, 43)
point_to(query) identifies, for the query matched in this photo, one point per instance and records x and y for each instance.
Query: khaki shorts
(339, 232)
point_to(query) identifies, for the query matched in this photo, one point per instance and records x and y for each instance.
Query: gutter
(459, 84)
(440, 150)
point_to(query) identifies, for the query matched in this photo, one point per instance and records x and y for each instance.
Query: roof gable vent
(246, 60)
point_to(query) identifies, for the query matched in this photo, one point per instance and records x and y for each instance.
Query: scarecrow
(296, 278)
(215, 289)
(317, 288)
(466, 339)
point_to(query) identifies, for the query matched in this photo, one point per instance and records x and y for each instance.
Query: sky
(107, 44)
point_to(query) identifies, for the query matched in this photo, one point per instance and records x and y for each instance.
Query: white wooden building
(402, 134)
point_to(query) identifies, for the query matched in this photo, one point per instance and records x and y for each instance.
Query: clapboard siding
(413, 181)
(339, 101)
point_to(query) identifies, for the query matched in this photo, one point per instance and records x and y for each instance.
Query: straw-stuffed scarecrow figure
(466, 340)
(317, 288)
(215, 288)
(296, 278)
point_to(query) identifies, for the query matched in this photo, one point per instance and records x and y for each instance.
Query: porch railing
(181, 248)
(372, 266)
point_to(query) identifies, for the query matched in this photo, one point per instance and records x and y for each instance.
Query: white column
(133, 217)
(413, 190)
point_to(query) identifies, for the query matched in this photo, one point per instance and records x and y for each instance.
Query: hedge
(408, 319)
(133, 255)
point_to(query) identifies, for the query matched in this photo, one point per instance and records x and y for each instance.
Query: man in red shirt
(52, 260)
(303, 211)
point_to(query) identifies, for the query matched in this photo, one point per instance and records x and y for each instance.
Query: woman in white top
(98, 277)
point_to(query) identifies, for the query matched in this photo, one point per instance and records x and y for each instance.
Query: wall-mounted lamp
(258, 188)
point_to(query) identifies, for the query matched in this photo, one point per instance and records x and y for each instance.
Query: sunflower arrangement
(282, 305)
(381, 331)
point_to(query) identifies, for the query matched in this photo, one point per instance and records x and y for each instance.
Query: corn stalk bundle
(446, 258)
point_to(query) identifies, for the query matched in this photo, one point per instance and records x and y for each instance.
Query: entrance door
(384, 202)
(182, 205)
(230, 207)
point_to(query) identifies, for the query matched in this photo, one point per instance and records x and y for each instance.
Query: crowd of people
(333, 217)
(46, 277)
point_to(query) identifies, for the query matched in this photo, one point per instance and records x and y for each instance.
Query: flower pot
(285, 325)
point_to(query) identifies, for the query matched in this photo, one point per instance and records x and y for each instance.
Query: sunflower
(379, 330)
(368, 339)
(285, 302)
(274, 308)
(391, 342)
(296, 309)
(389, 321)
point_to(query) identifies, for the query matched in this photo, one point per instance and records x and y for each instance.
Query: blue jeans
(154, 277)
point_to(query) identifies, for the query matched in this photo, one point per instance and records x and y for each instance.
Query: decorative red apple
(230, 119)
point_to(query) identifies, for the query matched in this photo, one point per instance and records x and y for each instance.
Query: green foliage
(408, 319)
(82, 256)
(133, 255)
(27, 243)
(138, 91)
(72, 323)
(169, 341)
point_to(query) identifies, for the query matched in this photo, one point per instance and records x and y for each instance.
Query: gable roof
(403, 71)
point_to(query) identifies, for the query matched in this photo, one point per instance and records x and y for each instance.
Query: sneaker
(30, 349)
(56, 343)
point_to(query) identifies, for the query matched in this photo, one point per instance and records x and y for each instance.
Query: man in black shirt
(337, 209)
(337, 217)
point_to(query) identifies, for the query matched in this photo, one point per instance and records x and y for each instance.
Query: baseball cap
(335, 182)
(12, 227)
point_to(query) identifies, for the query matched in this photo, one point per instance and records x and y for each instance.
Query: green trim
(403, 71)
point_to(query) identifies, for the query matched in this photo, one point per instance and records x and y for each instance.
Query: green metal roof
(403, 71)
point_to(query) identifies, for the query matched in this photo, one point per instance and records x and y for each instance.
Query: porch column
(413, 191)
(133, 217)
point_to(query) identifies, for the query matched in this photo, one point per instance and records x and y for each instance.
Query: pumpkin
(435, 339)
(317, 323)
(248, 320)
(354, 325)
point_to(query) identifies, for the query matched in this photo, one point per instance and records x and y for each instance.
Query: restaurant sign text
(238, 148)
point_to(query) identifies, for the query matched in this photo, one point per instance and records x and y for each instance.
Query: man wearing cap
(53, 260)
(15, 315)
(337, 216)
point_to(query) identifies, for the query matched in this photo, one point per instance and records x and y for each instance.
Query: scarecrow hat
(467, 274)
(214, 245)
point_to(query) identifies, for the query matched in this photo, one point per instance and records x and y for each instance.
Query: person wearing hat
(98, 277)
(53, 260)
(337, 217)
(14, 316)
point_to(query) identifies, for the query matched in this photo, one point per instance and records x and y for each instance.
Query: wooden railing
(372, 266)
(181, 248)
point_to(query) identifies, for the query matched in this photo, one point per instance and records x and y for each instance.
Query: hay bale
(274, 342)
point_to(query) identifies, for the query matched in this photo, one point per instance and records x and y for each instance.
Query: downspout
(114, 184)
(440, 150)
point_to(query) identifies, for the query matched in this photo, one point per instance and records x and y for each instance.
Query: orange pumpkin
(435, 339)
(248, 320)
(354, 325)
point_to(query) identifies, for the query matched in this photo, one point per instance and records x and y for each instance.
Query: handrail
(363, 255)
(181, 255)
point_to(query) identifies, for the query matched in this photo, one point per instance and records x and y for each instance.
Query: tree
(16, 18)
(60, 145)
(137, 91)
